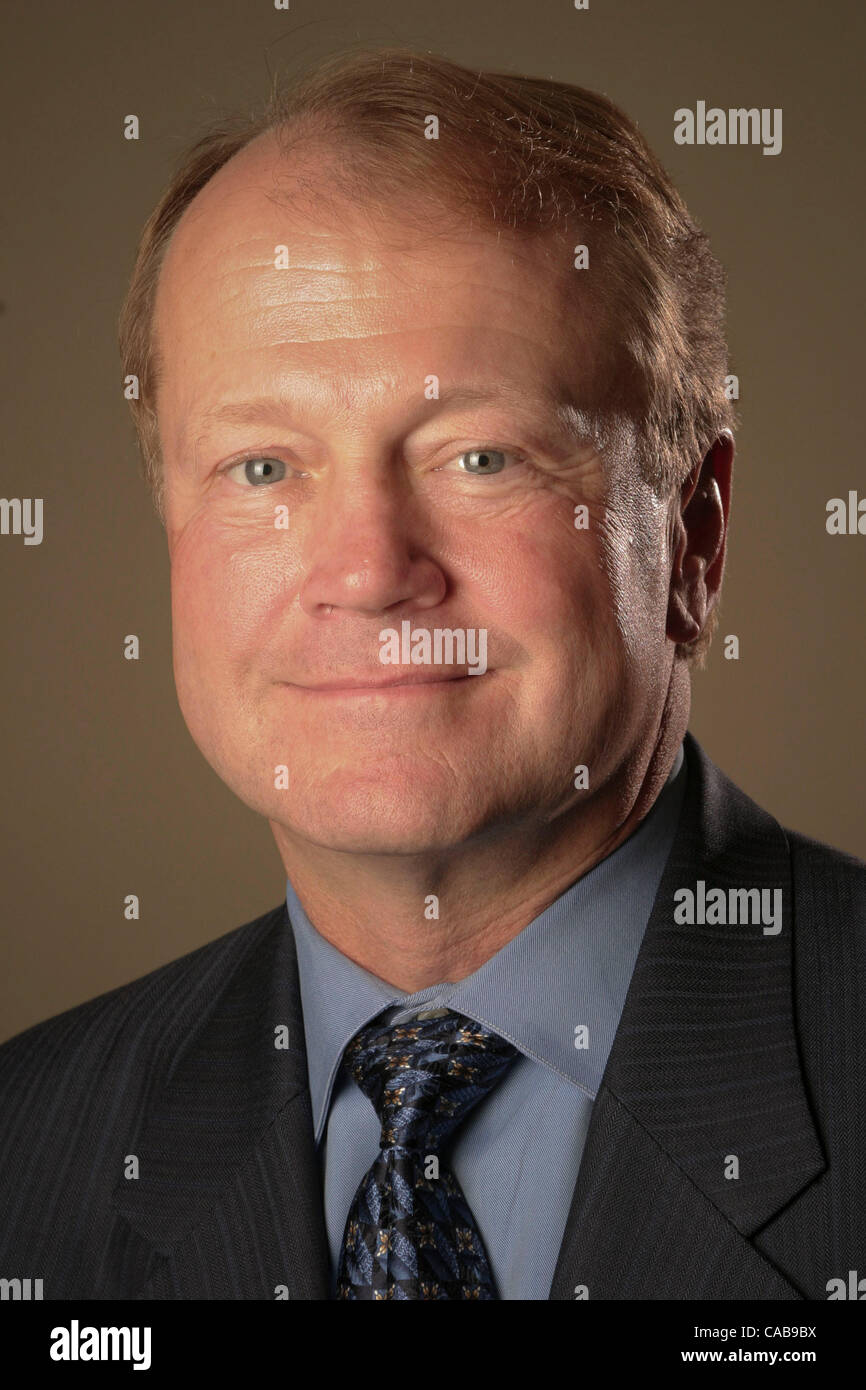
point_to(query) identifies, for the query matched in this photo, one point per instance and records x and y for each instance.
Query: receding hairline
(433, 219)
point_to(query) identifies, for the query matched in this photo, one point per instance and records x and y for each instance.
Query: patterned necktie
(410, 1233)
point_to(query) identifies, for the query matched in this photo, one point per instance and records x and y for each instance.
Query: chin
(358, 815)
(370, 833)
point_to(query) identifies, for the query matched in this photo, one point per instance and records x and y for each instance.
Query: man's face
(373, 511)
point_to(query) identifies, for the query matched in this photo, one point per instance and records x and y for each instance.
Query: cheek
(224, 587)
(553, 597)
(559, 590)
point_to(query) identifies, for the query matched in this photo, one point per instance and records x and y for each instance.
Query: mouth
(406, 684)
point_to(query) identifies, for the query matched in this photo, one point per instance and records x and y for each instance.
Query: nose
(365, 549)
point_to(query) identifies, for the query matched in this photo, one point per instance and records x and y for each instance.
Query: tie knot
(424, 1076)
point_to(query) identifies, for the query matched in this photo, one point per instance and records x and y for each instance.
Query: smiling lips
(409, 681)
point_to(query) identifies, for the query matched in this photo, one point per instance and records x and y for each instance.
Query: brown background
(104, 791)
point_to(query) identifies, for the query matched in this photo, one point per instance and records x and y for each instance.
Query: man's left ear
(699, 532)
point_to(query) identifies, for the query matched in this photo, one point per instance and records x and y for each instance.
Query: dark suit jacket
(731, 1042)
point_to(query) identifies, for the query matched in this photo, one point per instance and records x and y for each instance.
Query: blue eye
(482, 461)
(258, 471)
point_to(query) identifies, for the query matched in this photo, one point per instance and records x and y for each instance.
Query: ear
(699, 529)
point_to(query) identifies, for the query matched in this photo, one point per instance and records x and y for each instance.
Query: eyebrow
(574, 423)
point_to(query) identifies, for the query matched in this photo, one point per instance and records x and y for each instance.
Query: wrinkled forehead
(280, 269)
(268, 221)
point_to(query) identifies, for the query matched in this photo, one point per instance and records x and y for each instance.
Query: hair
(523, 155)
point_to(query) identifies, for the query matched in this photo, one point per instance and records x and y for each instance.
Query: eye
(480, 461)
(258, 471)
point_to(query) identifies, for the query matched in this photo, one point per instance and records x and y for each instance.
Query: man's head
(330, 321)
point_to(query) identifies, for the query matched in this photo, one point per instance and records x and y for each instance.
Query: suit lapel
(228, 1201)
(704, 1071)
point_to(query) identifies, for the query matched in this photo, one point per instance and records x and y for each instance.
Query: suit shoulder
(829, 871)
(134, 1019)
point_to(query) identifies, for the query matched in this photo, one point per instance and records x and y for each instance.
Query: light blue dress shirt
(517, 1155)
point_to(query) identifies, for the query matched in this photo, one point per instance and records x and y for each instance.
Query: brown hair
(527, 155)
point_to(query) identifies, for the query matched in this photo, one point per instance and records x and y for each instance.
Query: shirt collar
(568, 970)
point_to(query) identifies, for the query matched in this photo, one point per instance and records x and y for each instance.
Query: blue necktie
(409, 1233)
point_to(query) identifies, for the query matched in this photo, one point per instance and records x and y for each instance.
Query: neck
(376, 908)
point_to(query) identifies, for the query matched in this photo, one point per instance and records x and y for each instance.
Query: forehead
(278, 263)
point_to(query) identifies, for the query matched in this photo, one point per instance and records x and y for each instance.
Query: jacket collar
(703, 1080)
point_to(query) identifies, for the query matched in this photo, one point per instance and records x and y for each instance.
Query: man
(431, 371)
